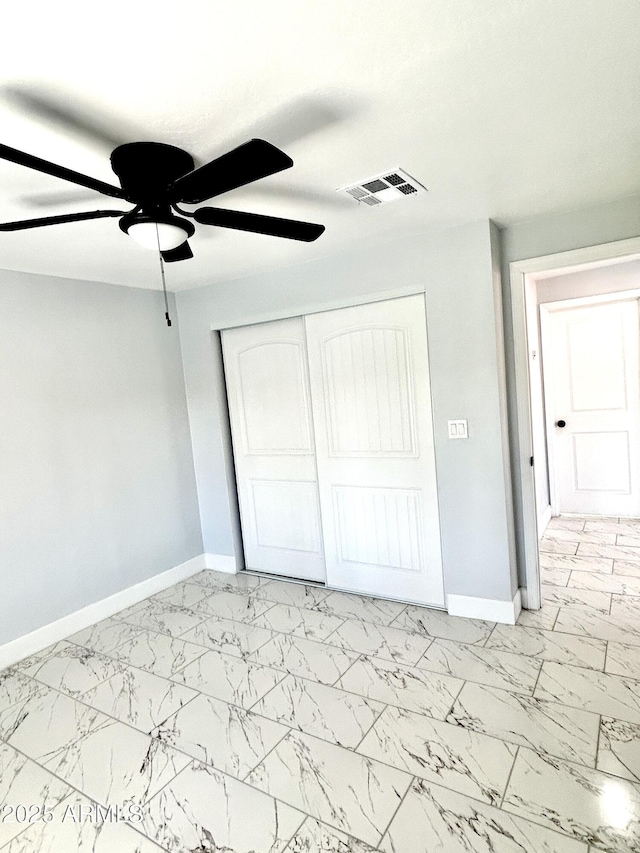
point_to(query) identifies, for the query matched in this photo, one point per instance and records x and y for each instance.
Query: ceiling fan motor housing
(147, 169)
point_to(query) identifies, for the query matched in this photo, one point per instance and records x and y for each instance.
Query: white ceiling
(503, 108)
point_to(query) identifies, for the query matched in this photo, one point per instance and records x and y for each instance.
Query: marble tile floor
(251, 715)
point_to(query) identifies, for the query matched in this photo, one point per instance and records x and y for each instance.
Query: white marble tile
(619, 749)
(306, 658)
(225, 635)
(577, 563)
(74, 669)
(578, 598)
(105, 636)
(633, 541)
(316, 837)
(158, 653)
(483, 665)
(558, 546)
(624, 567)
(623, 659)
(615, 583)
(299, 621)
(457, 758)
(16, 687)
(544, 618)
(79, 825)
(220, 581)
(334, 785)
(556, 577)
(229, 678)
(205, 811)
(231, 605)
(548, 645)
(182, 594)
(575, 537)
(222, 735)
(24, 784)
(613, 552)
(403, 686)
(623, 528)
(593, 623)
(349, 606)
(432, 819)
(381, 641)
(435, 623)
(319, 710)
(105, 759)
(586, 804)
(626, 608)
(38, 657)
(140, 699)
(564, 523)
(165, 618)
(598, 692)
(545, 726)
(297, 594)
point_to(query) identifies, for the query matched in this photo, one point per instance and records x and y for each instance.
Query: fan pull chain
(164, 283)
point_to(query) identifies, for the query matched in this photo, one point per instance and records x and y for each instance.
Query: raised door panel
(368, 394)
(274, 399)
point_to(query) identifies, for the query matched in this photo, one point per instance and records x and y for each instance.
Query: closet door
(273, 443)
(369, 376)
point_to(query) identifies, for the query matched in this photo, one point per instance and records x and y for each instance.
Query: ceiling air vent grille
(379, 189)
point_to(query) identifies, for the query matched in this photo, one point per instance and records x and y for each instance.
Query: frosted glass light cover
(171, 236)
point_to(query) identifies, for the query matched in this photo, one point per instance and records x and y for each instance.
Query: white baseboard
(39, 639)
(220, 563)
(485, 608)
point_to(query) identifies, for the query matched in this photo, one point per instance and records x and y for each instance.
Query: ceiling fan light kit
(157, 231)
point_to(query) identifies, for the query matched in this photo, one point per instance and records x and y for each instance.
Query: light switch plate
(458, 429)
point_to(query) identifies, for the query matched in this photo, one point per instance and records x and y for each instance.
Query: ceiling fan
(156, 178)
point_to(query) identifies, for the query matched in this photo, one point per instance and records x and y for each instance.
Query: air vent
(379, 189)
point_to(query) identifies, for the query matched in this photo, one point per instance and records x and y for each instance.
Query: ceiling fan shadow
(70, 114)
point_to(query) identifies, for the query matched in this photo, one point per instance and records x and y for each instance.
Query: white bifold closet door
(274, 451)
(333, 444)
(369, 371)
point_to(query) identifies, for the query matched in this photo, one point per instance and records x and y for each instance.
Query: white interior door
(273, 444)
(374, 439)
(592, 385)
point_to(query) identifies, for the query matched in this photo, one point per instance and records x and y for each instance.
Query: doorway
(580, 469)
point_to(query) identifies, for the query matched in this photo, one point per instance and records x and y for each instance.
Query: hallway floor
(246, 715)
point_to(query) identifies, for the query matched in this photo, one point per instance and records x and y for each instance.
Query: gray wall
(455, 269)
(607, 223)
(97, 488)
(613, 278)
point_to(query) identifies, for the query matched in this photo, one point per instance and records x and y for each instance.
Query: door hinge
(531, 461)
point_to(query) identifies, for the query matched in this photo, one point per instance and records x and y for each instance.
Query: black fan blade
(259, 224)
(57, 220)
(182, 253)
(249, 162)
(31, 162)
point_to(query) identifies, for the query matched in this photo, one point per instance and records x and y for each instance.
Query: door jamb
(519, 273)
